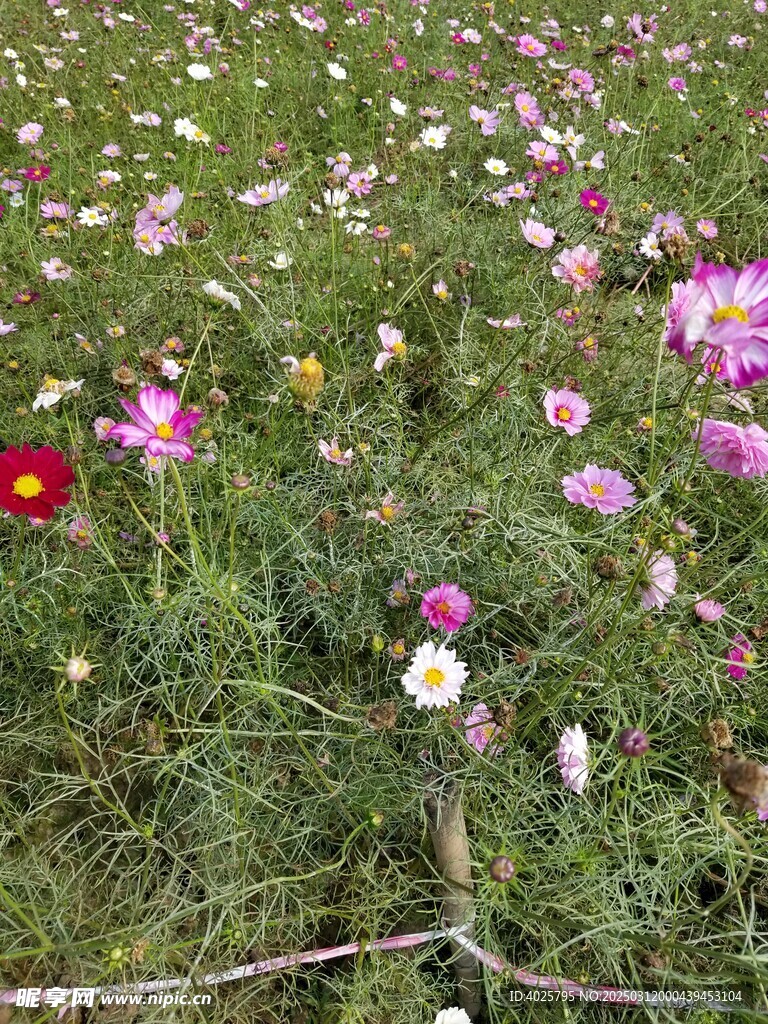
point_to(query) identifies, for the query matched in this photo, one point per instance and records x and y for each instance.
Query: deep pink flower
(740, 451)
(739, 657)
(40, 173)
(529, 46)
(568, 410)
(158, 424)
(446, 605)
(594, 202)
(728, 309)
(603, 489)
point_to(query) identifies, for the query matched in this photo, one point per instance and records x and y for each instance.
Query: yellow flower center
(387, 512)
(81, 534)
(399, 348)
(589, 342)
(434, 677)
(381, 227)
(444, 607)
(730, 313)
(28, 486)
(597, 489)
(593, 203)
(525, 108)
(748, 656)
(335, 453)
(264, 193)
(580, 271)
(164, 431)
(564, 414)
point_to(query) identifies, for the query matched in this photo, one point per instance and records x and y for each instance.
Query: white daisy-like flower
(217, 291)
(260, 83)
(200, 72)
(434, 676)
(495, 166)
(550, 135)
(453, 1016)
(336, 71)
(92, 217)
(281, 261)
(433, 138)
(53, 390)
(398, 107)
(649, 246)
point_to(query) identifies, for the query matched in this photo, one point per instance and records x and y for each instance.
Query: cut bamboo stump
(445, 819)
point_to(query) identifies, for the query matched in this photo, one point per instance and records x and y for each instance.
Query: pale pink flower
(102, 426)
(487, 119)
(29, 134)
(661, 581)
(572, 759)
(392, 344)
(264, 195)
(482, 732)
(80, 533)
(568, 410)
(55, 269)
(579, 268)
(389, 508)
(537, 234)
(333, 453)
(708, 610)
(739, 451)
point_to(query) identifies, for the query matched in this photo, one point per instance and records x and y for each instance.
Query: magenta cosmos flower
(579, 268)
(728, 310)
(740, 657)
(740, 451)
(594, 202)
(568, 410)
(446, 605)
(158, 424)
(572, 759)
(603, 489)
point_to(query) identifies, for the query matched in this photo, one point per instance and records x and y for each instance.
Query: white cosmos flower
(200, 72)
(92, 217)
(453, 1016)
(550, 135)
(336, 198)
(219, 292)
(281, 261)
(61, 102)
(336, 71)
(433, 138)
(398, 107)
(52, 391)
(260, 83)
(495, 166)
(649, 246)
(434, 677)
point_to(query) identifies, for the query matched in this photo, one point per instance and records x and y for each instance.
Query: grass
(210, 795)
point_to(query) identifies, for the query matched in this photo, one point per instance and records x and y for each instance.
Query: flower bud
(114, 457)
(240, 482)
(634, 743)
(501, 869)
(217, 397)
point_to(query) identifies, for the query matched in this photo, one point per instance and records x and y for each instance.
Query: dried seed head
(717, 733)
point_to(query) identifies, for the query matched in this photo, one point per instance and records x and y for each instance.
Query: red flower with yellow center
(33, 483)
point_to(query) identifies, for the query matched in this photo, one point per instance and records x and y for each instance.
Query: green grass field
(237, 772)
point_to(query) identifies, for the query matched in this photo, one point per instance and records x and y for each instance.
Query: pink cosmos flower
(572, 759)
(487, 119)
(707, 228)
(708, 610)
(588, 348)
(56, 270)
(7, 328)
(102, 426)
(529, 46)
(264, 195)
(661, 582)
(339, 164)
(482, 732)
(446, 605)
(537, 234)
(51, 210)
(594, 202)
(390, 506)
(80, 533)
(739, 451)
(158, 424)
(29, 134)
(739, 657)
(603, 489)
(393, 346)
(583, 80)
(568, 410)
(333, 453)
(164, 207)
(679, 303)
(579, 268)
(513, 320)
(728, 310)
